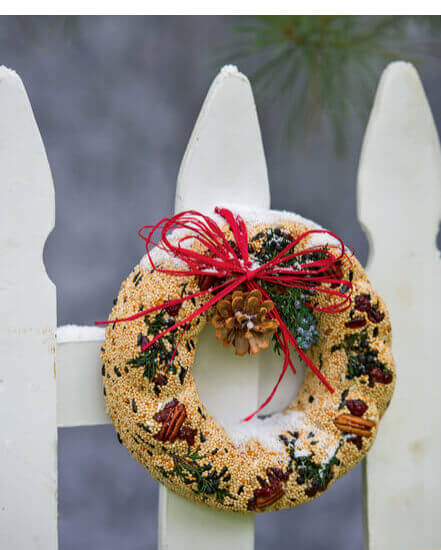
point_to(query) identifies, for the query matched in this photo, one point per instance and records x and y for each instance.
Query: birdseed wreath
(263, 278)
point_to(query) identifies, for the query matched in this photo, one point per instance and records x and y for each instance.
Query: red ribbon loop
(222, 259)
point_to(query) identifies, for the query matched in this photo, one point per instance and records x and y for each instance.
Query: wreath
(263, 279)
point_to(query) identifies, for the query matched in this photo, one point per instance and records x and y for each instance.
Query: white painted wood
(28, 429)
(399, 191)
(79, 385)
(224, 162)
(224, 159)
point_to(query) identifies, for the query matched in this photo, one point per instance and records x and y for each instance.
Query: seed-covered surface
(153, 401)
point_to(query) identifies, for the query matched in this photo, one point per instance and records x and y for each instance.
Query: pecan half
(270, 492)
(172, 416)
(354, 425)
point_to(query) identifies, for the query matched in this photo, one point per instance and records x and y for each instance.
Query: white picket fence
(399, 204)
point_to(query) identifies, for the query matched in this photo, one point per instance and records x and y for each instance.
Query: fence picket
(28, 429)
(399, 197)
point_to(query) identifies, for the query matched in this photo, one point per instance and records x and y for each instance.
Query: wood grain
(399, 202)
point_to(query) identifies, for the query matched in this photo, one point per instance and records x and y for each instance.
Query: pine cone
(241, 320)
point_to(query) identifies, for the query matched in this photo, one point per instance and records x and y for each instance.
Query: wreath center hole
(232, 387)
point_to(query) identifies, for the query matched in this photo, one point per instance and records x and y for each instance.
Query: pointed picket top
(401, 155)
(399, 198)
(224, 160)
(28, 429)
(20, 142)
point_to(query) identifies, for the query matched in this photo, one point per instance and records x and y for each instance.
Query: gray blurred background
(116, 99)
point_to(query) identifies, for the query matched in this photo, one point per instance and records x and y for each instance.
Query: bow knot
(251, 274)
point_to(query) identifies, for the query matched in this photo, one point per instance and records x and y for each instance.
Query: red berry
(357, 407)
(173, 310)
(356, 322)
(374, 315)
(277, 473)
(160, 379)
(311, 491)
(187, 434)
(378, 375)
(362, 302)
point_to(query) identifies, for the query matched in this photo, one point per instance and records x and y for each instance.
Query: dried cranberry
(160, 379)
(378, 375)
(311, 491)
(173, 309)
(357, 407)
(277, 473)
(357, 441)
(374, 315)
(356, 322)
(362, 302)
(187, 434)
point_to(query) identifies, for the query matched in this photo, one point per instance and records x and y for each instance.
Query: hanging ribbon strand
(222, 260)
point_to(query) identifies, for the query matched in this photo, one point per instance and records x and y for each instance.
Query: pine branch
(327, 66)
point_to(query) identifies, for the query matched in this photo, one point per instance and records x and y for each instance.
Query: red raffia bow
(223, 261)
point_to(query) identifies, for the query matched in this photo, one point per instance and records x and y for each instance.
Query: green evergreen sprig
(159, 354)
(291, 302)
(204, 478)
(315, 475)
(362, 357)
(327, 66)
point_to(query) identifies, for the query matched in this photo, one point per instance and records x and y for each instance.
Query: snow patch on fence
(76, 333)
